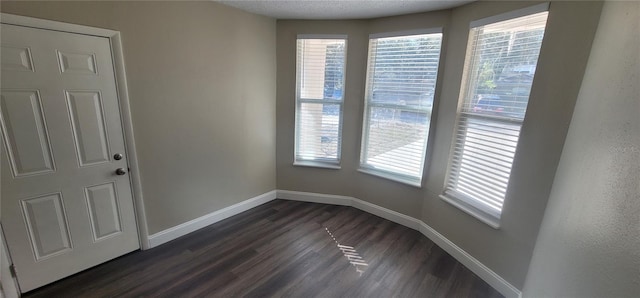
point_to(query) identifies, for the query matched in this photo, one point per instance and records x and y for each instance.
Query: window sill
(391, 177)
(479, 215)
(316, 164)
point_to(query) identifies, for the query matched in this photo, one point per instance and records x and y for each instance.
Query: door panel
(75, 63)
(103, 209)
(63, 207)
(27, 137)
(87, 122)
(16, 58)
(47, 225)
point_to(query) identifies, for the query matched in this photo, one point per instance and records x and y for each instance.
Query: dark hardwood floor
(284, 248)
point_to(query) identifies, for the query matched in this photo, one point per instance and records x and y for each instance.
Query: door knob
(120, 171)
(117, 156)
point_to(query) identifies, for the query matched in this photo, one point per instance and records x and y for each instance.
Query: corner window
(401, 80)
(319, 100)
(501, 60)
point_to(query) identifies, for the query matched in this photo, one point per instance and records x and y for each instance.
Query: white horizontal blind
(401, 80)
(319, 98)
(500, 66)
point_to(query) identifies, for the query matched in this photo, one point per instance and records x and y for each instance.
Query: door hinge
(12, 269)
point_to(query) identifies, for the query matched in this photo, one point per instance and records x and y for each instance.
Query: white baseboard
(385, 213)
(486, 274)
(314, 197)
(211, 218)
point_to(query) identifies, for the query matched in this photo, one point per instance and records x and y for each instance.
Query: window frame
(327, 163)
(455, 198)
(368, 105)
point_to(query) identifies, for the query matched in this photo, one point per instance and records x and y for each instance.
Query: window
(319, 98)
(501, 60)
(401, 80)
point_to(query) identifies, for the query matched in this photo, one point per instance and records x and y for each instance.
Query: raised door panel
(17, 58)
(47, 225)
(25, 132)
(88, 125)
(77, 63)
(103, 210)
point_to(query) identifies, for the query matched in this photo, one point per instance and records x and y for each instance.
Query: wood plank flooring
(284, 249)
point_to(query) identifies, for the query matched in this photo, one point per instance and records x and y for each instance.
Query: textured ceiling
(339, 9)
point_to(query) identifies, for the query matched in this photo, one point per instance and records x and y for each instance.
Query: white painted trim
(490, 220)
(511, 15)
(484, 272)
(415, 182)
(10, 287)
(322, 36)
(316, 164)
(6, 18)
(385, 213)
(211, 218)
(123, 101)
(434, 30)
(314, 197)
(129, 140)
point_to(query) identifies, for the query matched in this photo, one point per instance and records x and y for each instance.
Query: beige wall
(589, 240)
(563, 57)
(201, 80)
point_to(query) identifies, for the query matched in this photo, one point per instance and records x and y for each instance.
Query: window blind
(500, 66)
(319, 99)
(401, 80)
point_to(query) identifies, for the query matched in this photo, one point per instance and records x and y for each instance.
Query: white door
(64, 208)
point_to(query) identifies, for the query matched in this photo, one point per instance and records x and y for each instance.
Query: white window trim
(405, 33)
(364, 168)
(490, 218)
(321, 36)
(411, 181)
(473, 211)
(315, 164)
(542, 7)
(320, 163)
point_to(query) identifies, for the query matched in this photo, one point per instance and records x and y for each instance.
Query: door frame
(123, 102)
(8, 281)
